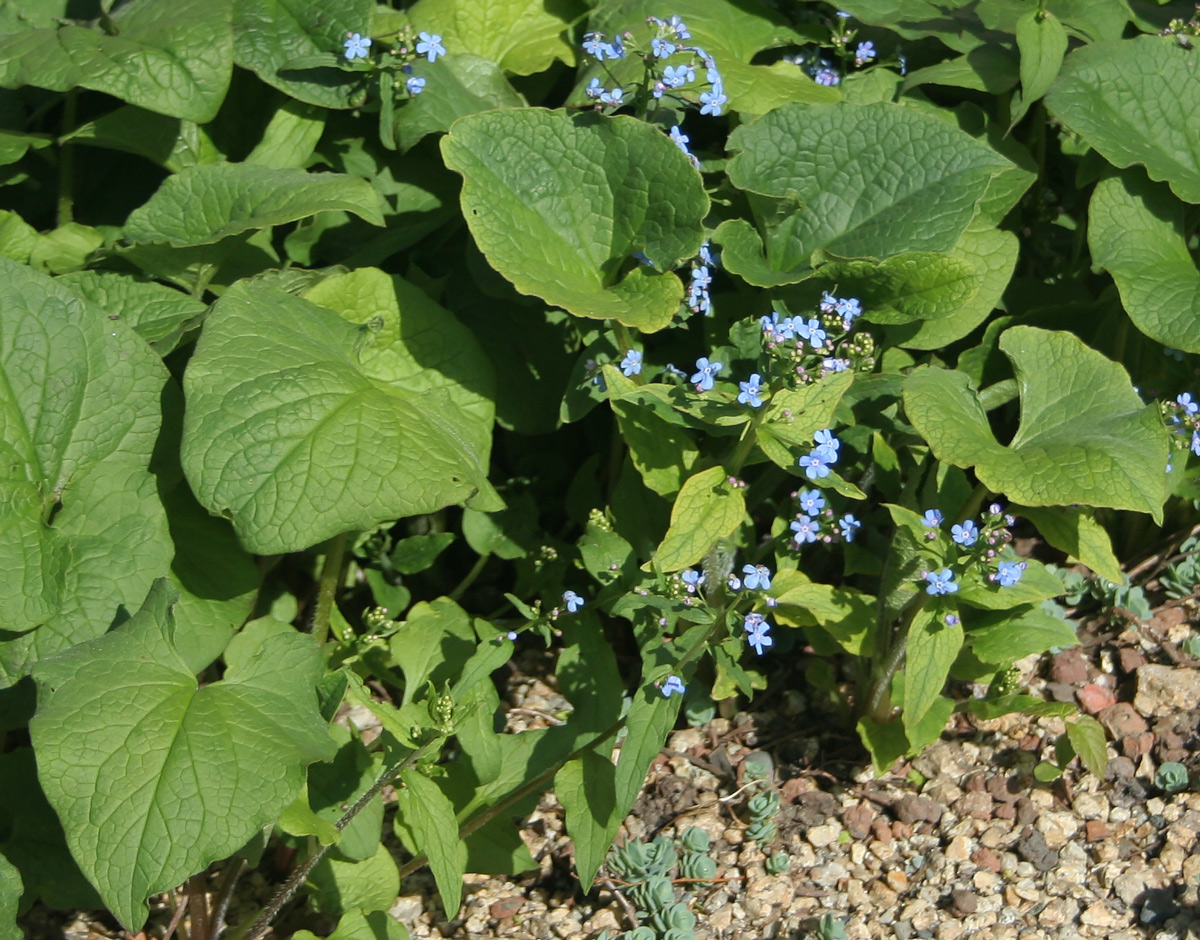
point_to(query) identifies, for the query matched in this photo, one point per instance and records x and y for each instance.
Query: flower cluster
(807, 526)
(358, 46)
(698, 298)
(1182, 416)
(816, 462)
(984, 541)
(817, 347)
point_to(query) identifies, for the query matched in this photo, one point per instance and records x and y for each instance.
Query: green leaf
(282, 393)
(290, 137)
(203, 204)
(846, 614)
(886, 743)
(11, 889)
(627, 188)
(586, 788)
(1139, 232)
(706, 509)
(1002, 638)
(924, 732)
(419, 552)
(464, 84)
(1086, 735)
(82, 532)
(933, 645)
(170, 142)
(357, 925)
(521, 36)
(299, 820)
(257, 728)
(1074, 530)
(1037, 584)
(66, 248)
(429, 815)
(270, 35)
(1042, 42)
(339, 783)
(663, 454)
(159, 314)
(432, 644)
(1085, 436)
(170, 56)
(340, 888)
(990, 68)
(851, 181)
(1133, 100)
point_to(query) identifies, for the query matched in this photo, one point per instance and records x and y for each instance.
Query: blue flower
(951, 620)
(681, 31)
(940, 582)
(612, 97)
(751, 391)
(415, 85)
(632, 363)
(849, 310)
(706, 256)
(701, 276)
(692, 578)
(675, 76)
(932, 518)
(811, 501)
(661, 48)
(806, 529)
(734, 583)
(705, 371)
(827, 77)
(753, 621)
(864, 53)
(572, 600)
(357, 46)
(615, 49)
(758, 577)
(835, 365)
(824, 438)
(594, 89)
(966, 534)
(1196, 443)
(1185, 402)
(812, 332)
(849, 526)
(593, 45)
(816, 463)
(843, 14)
(760, 638)
(511, 635)
(673, 686)
(430, 46)
(780, 329)
(1009, 573)
(712, 101)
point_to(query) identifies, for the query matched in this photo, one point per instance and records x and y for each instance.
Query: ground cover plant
(714, 346)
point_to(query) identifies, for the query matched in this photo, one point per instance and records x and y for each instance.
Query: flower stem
(469, 578)
(331, 576)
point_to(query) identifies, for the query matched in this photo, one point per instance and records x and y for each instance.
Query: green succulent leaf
(82, 532)
(1139, 232)
(1085, 436)
(286, 397)
(203, 204)
(257, 729)
(846, 181)
(1134, 101)
(170, 56)
(566, 228)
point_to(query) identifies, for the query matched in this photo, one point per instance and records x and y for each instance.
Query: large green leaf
(1136, 101)
(341, 888)
(933, 645)
(170, 56)
(10, 893)
(82, 533)
(271, 34)
(203, 204)
(521, 36)
(211, 765)
(846, 181)
(159, 314)
(1138, 231)
(560, 203)
(706, 509)
(428, 813)
(1085, 436)
(170, 142)
(1042, 41)
(464, 84)
(301, 425)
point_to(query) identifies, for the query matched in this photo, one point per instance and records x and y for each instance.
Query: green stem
(745, 443)
(331, 577)
(66, 162)
(879, 704)
(469, 578)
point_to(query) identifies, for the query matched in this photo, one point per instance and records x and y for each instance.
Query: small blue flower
(864, 53)
(811, 501)
(712, 102)
(816, 464)
(681, 31)
(661, 48)
(1009, 573)
(903, 60)
(824, 438)
(701, 276)
(632, 363)
(758, 577)
(849, 310)
(734, 583)
(615, 49)
(812, 332)
(594, 45)
(612, 97)
(751, 391)
(966, 534)
(594, 89)
(806, 529)
(692, 578)
(357, 46)
(940, 582)
(1185, 402)
(827, 77)
(849, 526)
(430, 46)
(752, 621)
(706, 255)
(415, 85)
(511, 635)
(760, 638)
(843, 14)
(705, 371)
(1196, 443)
(675, 76)
(835, 365)
(932, 518)
(951, 620)
(673, 686)
(572, 600)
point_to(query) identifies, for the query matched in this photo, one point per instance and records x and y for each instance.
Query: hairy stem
(224, 895)
(331, 577)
